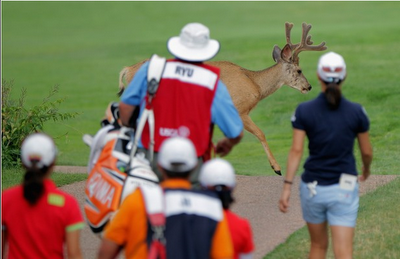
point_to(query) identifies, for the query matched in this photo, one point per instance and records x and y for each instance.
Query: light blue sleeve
(137, 88)
(136, 91)
(224, 114)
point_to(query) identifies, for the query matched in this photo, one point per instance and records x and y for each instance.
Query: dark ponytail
(333, 95)
(33, 183)
(225, 195)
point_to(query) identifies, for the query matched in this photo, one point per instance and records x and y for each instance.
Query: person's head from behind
(193, 44)
(218, 175)
(177, 157)
(38, 155)
(331, 73)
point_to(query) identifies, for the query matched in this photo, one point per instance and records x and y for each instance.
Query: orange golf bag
(113, 175)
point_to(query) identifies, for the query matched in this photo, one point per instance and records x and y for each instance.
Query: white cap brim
(180, 51)
(177, 154)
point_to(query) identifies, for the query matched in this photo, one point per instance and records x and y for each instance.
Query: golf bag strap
(154, 202)
(147, 115)
(154, 73)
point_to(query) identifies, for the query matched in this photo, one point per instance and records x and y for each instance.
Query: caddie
(189, 100)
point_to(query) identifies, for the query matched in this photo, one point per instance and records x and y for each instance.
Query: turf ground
(82, 46)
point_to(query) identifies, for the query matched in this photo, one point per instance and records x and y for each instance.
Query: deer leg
(251, 127)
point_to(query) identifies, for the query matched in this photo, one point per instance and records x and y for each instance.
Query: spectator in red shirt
(218, 175)
(37, 218)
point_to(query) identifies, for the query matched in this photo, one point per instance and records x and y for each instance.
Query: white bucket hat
(193, 44)
(40, 147)
(217, 172)
(177, 154)
(331, 67)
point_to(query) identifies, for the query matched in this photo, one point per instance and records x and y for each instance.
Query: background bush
(19, 121)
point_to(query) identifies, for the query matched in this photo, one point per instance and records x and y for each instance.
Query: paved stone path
(256, 199)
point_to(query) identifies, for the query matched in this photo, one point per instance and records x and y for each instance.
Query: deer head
(288, 58)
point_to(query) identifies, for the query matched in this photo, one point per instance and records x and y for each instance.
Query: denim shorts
(330, 203)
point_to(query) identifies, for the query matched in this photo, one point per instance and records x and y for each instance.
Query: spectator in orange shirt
(218, 175)
(195, 223)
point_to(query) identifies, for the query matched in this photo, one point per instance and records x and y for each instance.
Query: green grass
(12, 177)
(376, 236)
(82, 46)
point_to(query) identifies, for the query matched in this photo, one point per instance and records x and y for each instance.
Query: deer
(247, 88)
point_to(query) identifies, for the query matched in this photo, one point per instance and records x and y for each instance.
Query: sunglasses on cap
(329, 70)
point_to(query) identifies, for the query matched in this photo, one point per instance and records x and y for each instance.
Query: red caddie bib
(182, 104)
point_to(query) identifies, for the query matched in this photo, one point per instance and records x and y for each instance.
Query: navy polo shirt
(192, 219)
(331, 135)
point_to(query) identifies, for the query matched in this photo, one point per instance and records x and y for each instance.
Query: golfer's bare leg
(319, 240)
(342, 240)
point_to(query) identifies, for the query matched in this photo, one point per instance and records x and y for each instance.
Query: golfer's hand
(284, 200)
(223, 147)
(365, 174)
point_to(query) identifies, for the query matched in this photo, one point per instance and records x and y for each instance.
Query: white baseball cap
(331, 67)
(217, 172)
(177, 154)
(193, 44)
(40, 147)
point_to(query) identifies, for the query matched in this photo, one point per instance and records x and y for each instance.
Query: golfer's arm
(365, 149)
(235, 141)
(295, 154)
(126, 112)
(73, 245)
(108, 249)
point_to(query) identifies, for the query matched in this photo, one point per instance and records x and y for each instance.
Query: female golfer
(329, 184)
(37, 218)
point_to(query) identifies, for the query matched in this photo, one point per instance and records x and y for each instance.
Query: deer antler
(305, 43)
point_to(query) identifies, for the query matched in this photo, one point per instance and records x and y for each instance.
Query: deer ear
(286, 53)
(276, 53)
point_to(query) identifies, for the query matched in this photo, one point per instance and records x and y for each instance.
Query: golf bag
(116, 169)
(113, 175)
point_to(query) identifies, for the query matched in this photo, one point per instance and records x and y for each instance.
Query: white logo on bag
(101, 189)
(182, 131)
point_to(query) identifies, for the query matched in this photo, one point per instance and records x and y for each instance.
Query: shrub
(19, 121)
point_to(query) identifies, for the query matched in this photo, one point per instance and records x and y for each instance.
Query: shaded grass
(12, 177)
(376, 236)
